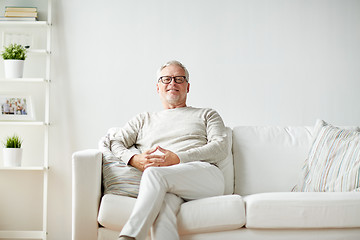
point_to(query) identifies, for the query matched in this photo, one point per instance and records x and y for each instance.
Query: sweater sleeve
(216, 148)
(122, 139)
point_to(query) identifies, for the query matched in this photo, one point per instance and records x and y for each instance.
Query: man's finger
(150, 151)
(155, 158)
(162, 149)
(154, 164)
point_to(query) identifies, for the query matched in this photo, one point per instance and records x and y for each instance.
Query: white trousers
(163, 190)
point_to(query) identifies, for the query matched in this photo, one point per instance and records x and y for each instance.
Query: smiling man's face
(173, 95)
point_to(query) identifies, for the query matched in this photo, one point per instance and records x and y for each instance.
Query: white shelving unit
(40, 122)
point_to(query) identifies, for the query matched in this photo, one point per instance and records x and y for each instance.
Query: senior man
(179, 147)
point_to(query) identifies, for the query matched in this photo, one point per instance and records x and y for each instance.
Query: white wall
(257, 62)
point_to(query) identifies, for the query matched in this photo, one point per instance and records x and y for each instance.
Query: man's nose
(172, 81)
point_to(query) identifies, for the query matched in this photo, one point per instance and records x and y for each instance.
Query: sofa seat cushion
(204, 215)
(303, 210)
(115, 210)
(211, 214)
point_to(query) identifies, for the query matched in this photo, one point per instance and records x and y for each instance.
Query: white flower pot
(12, 157)
(14, 68)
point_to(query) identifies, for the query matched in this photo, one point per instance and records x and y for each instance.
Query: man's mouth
(172, 90)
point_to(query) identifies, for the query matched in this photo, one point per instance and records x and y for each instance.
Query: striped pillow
(118, 178)
(333, 163)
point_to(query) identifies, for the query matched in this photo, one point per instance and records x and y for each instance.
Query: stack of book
(20, 14)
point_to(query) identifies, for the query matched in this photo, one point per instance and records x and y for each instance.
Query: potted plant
(14, 56)
(12, 151)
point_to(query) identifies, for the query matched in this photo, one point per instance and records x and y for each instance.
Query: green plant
(14, 51)
(13, 142)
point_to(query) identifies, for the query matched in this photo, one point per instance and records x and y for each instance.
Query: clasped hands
(149, 159)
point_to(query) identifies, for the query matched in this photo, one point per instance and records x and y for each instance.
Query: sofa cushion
(118, 177)
(211, 214)
(333, 163)
(115, 210)
(268, 158)
(303, 210)
(204, 215)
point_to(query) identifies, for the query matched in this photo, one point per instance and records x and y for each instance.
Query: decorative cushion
(333, 163)
(118, 177)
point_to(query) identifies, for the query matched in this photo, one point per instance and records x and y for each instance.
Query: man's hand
(169, 157)
(140, 161)
(150, 159)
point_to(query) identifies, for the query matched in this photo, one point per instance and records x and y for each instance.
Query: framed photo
(24, 39)
(16, 108)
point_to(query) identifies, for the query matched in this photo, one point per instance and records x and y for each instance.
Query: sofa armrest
(86, 193)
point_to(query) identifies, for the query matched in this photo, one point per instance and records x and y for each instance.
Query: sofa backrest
(268, 159)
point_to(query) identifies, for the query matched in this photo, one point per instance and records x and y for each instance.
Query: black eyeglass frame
(178, 81)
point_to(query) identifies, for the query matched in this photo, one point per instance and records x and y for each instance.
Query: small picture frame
(16, 108)
(24, 39)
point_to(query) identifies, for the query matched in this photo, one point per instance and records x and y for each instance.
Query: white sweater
(194, 134)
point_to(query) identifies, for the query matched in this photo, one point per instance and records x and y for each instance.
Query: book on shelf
(20, 14)
(20, 9)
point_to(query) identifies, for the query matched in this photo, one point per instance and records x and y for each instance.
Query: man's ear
(157, 87)
(188, 87)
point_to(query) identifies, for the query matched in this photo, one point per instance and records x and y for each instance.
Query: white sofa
(262, 167)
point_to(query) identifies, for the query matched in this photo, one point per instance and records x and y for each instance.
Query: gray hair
(173, 62)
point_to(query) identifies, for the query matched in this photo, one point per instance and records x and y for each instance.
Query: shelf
(23, 234)
(22, 123)
(38, 51)
(24, 80)
(22, 23)
(23, 168)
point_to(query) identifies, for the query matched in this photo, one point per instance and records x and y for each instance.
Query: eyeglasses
(168, 79)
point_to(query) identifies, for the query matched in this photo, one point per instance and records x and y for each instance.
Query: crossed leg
(165, 225)
(162, 190)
